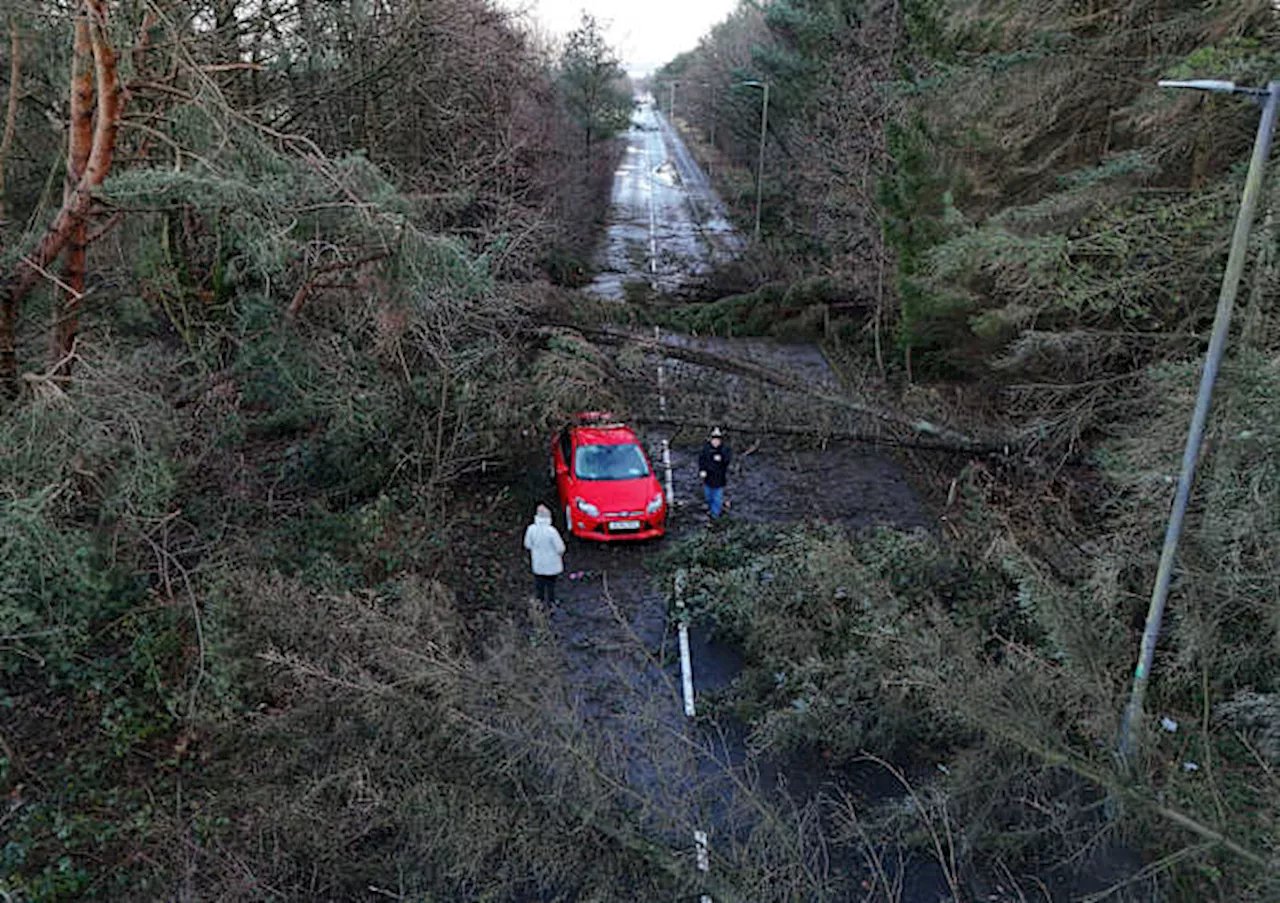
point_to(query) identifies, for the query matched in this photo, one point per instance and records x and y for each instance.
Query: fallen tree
(944, 438)
(825, 435)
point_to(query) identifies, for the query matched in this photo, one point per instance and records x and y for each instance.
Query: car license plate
(625, 525)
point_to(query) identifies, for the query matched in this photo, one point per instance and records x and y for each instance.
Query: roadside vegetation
(266, 378)
(277, 286)
(1015, 230)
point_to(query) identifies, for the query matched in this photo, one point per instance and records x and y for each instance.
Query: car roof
(607, 434)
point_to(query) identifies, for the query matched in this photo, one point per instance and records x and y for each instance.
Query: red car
(606, 483)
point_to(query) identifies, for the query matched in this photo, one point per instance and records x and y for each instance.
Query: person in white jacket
(546, 554)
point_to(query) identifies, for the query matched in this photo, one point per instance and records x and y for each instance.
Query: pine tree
(592, 83)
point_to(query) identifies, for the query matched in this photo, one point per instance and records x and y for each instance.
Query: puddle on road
(717, 663)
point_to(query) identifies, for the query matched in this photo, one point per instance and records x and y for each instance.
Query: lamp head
(1214, 85)
(1200, 84)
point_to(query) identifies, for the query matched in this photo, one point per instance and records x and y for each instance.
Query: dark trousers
(544, 588)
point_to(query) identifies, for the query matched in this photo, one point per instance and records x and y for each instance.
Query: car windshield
(610, 462)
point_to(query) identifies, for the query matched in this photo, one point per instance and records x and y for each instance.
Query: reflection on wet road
(665, 222)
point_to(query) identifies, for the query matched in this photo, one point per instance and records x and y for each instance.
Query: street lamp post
(764, 125)
(713, 112)
(1270, 98)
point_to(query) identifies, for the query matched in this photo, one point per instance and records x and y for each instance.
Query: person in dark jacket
(713, 468)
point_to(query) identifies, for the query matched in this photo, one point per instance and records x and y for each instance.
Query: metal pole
(1213, 357)
(713, 117)
(764, 125)
(671, 106)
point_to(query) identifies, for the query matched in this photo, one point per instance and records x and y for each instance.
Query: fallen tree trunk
(812, 432)
(943, 436)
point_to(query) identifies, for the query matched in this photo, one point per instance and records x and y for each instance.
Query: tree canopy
(593, 86)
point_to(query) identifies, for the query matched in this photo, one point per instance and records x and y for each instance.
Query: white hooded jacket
(545, 546)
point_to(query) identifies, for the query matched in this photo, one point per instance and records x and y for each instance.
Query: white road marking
(702, 847)
(666, 465)
(686, 671)
(686, 661)
(700, 840)
(653, 216)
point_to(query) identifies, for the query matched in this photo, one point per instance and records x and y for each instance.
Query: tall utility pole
(1270, 97)
(671, 104)
(764, 128)
(713, 114)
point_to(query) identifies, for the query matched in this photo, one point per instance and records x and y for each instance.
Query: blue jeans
(714, 496)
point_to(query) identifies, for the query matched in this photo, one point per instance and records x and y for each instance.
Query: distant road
(665, 222)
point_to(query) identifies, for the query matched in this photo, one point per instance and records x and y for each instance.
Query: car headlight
(587, 508)
(655, 505)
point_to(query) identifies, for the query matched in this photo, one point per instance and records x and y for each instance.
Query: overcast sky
(646, 33)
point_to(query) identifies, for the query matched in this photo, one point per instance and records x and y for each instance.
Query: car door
(561, 462)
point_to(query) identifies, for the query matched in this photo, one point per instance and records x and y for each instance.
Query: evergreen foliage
(253, 639)
(593, 86)
(301, 338)
(1052, 230)
(1048, 144)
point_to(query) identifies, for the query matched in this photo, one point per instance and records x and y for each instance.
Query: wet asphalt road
(665, 223)
(613, 622)
(617, 631)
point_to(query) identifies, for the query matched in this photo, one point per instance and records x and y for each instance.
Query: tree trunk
(76, 204)
(226, 47)
(11, 109)
(79, 143)
(80, 137)
(909, 425)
